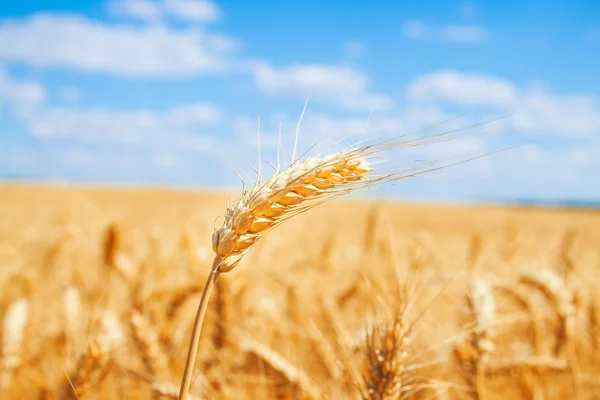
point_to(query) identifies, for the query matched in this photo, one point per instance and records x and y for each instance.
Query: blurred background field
(503, 299)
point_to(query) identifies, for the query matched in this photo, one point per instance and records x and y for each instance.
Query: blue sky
(169, 91)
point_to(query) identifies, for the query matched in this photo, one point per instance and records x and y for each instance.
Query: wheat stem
(193, 350)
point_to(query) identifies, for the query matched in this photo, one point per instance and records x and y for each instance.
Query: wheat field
(357, 299)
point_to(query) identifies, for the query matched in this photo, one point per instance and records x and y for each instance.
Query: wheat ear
(293, 375)
(555, 290)
(296, 189)
(520, 296)
(387, 374)
(474, 353)
(96, 361)
(148, 345)
(12, 338)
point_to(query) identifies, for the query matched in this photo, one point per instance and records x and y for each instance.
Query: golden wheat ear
(301, 186)
(14, 324)
(96, 361)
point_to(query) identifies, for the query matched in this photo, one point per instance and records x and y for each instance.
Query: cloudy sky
(170, 91)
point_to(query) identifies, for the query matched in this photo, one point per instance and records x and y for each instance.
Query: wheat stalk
(219, 335)
(301, 186)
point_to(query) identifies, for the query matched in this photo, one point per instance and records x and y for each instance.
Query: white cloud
(190, 114)
(535, 171)
(464, 88)
(414, 29)
(145, 10)
(193, 10)
(69, 94)
(354, 49)
(343, 86)
(530, 171)
(24, 95)
(454, 33)
(123, 126)
(153, 162)
(536, 110)
(463, 33)
(79, 43)
(157, 10)
(570, 114)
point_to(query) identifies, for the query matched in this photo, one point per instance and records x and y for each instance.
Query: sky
(172, 92)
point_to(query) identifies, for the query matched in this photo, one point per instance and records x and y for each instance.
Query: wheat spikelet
(293, 375)
(554, 288)
(12, 338)
(97, 359)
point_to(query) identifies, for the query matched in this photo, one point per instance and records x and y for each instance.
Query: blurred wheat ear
(299, 187)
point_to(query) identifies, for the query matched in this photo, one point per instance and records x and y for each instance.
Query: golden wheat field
(357, 299)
